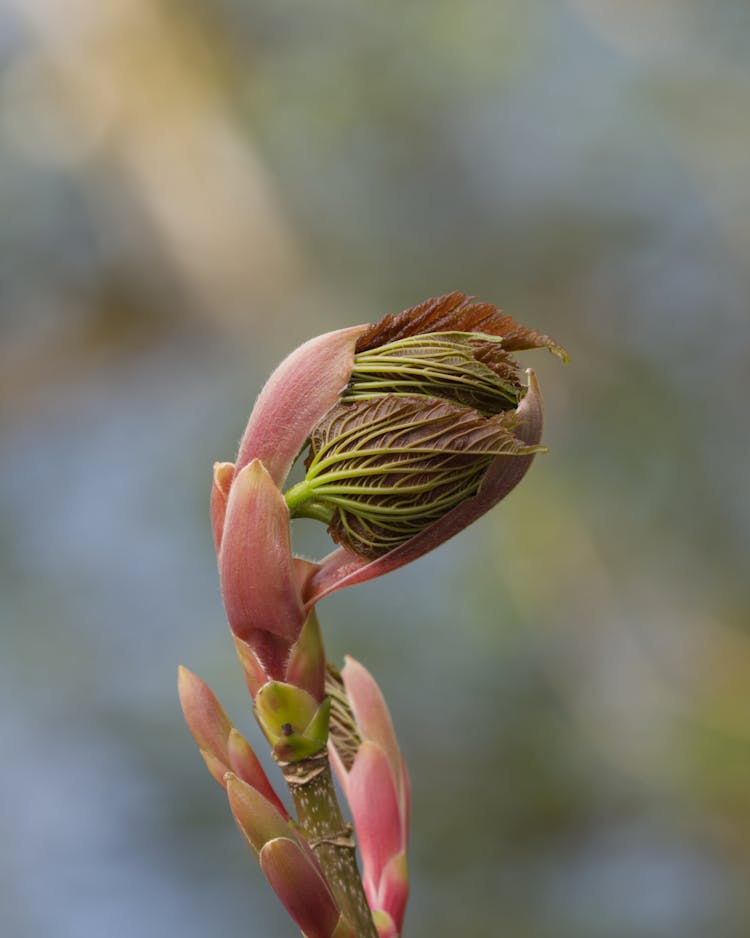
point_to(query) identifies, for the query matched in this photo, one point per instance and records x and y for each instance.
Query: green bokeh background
(188, 191)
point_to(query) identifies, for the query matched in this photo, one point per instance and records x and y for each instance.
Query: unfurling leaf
(384, 468)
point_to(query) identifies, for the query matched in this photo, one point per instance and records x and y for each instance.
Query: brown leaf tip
(456, 312)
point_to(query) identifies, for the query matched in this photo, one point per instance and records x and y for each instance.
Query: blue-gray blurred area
(188, 190)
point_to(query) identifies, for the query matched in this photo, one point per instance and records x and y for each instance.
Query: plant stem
(301, 504)
(319, 815)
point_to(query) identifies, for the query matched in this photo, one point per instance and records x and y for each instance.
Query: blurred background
(190, 189)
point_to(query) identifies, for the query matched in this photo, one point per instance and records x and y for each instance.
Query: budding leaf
(387, 467)
(456, 312)
(473, 370)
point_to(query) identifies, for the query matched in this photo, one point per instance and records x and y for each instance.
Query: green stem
(319, 816)
(300, 500)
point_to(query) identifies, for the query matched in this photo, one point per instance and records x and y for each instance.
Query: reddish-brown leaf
(455, 312)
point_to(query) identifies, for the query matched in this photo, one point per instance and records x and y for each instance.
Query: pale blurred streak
(125, 85)
(644, 29)
(699, 90)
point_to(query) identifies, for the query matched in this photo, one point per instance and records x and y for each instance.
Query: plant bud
(429, 407)
(383, 468)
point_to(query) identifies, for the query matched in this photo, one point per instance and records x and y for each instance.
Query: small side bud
(258, 820)
(258, 578)
(246, 765)
(306, 667)
(294, 723)
(206, 720)
(301, 888)
(371, 770)
(223, 748)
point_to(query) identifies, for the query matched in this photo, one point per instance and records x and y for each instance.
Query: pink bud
(287, 861)
(258, 578)
(246, 765)
(377, 789)
(206, 720)
(222, 747)
(371, 712)
(295, 397)
(258, 820)
(373, 799)
(301, 888)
